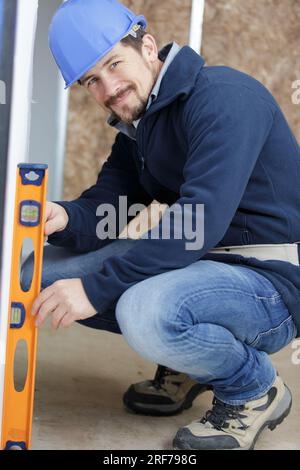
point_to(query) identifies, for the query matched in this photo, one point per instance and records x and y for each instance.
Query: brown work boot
(169, 393)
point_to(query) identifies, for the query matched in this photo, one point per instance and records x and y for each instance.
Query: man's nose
(110, 88)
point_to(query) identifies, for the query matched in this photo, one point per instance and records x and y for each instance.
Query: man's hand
(56, 219)
(66, 301)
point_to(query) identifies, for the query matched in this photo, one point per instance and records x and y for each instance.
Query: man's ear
(150, 49)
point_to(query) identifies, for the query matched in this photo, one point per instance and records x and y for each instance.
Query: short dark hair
(134, 40)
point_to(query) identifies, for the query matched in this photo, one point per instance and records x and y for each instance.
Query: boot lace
(161, 373)
(222, 413)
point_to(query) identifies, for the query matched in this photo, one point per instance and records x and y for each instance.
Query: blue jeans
(215, 322)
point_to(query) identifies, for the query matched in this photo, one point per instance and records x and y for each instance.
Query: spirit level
(28, 223)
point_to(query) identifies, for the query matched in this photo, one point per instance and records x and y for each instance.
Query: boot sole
(165, 410)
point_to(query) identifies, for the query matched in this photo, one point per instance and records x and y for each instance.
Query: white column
(17, 152)
(196, 25)
(50, 107)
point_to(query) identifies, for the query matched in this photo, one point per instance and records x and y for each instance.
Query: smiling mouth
(122, 98)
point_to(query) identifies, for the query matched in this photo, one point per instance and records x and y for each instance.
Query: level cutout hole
(26, 264)
(20, 365)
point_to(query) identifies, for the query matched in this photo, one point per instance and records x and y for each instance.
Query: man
(189, 136)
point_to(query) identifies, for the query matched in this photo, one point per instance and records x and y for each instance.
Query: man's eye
(114, 65)
(92, 81)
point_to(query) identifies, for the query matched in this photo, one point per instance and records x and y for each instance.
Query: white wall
(49, 108)
(196, 25)
(17, 152)
(50, 105)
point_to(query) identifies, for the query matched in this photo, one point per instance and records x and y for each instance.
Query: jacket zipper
(140, 155)
(142, 161)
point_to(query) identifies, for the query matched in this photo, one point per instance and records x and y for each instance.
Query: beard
(128, 114)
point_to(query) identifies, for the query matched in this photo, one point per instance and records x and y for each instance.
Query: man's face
(122, 81)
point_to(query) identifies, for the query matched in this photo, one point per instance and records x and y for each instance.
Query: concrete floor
(81, 377)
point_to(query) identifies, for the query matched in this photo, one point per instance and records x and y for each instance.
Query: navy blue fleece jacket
(214, 136)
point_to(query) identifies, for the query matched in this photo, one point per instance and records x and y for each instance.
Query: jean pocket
(277, 338)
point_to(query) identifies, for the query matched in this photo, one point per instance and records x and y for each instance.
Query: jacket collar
(179, 79)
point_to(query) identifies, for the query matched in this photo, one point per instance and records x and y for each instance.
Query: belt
(279, 252)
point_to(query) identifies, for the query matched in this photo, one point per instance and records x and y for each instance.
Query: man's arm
(118, 177)
(226, 134)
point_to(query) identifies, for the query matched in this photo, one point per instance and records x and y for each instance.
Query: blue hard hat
(84, 31)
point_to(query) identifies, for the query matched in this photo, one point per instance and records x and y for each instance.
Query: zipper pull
(142, 160)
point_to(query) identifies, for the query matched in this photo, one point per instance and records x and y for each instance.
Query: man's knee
(127, 311)
(147, 321)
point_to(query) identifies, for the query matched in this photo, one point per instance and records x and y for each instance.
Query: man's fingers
(67, 321)
(57, 316)
(51, 226)
(41, 298)
(66, 301)
(56, 218)
(46, 308)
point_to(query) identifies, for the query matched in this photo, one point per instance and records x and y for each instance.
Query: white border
(17, 152)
